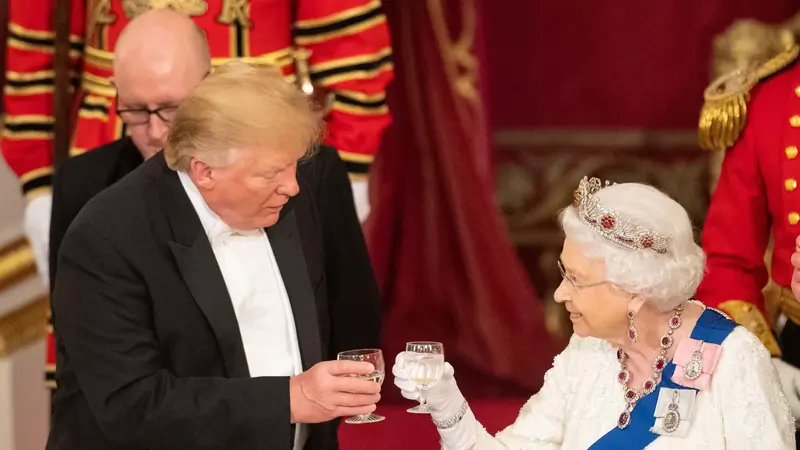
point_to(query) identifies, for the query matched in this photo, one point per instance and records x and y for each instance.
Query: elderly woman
(646, 367)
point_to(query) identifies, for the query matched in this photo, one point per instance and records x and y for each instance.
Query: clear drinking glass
(425, 364)
(375, 357)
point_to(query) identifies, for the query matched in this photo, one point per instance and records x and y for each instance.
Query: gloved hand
(361, 198)
(36, 224)
(444, 398)
(789, 376)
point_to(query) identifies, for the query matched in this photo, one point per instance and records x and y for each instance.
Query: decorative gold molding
(26, 324)
(16, 263)
(23, 326)
(460, 63)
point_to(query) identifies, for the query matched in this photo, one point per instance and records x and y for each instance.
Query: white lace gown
(581, 400)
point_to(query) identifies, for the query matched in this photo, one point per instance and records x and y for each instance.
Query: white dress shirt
(258, 295)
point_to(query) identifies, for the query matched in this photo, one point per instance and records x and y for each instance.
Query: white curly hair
(668, 279)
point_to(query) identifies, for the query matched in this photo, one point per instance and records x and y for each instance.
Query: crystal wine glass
(425, 364)
(375, 357)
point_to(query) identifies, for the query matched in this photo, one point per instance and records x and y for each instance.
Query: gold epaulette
(724, 113)
(748, 316)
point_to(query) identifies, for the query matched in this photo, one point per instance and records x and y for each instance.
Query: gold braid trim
(778, 62)
(724, 114)
(748, 316)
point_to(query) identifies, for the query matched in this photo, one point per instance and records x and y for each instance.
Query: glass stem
(422, 399)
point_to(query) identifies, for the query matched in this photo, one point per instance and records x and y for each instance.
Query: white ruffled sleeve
(746, 389)
(540, 424)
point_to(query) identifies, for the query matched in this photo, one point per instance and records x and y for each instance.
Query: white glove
(37, 229)
(443, 398)
(361, 198)
(789, 376)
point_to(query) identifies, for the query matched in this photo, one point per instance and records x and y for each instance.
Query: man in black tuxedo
(161, 56)
(197, 299)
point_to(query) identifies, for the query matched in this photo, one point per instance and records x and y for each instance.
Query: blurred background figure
(498, 109)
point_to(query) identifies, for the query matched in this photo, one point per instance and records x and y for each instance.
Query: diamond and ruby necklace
(631, 396)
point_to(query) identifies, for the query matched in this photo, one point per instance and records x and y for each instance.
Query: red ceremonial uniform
(350, 56)
(757, 198)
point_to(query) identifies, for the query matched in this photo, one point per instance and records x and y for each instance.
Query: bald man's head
(161, 35)
(158, 59)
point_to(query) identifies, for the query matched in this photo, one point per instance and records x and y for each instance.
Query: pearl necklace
(624, 375)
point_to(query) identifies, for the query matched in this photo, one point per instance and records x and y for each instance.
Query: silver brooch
(673, 418)
(694, 368)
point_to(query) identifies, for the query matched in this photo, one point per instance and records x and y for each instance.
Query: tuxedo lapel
(200, 271)
(285, 241)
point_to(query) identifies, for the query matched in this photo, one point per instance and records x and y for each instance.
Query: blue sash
(712, 327)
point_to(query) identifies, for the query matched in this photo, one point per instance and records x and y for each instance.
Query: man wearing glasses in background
(151, 82)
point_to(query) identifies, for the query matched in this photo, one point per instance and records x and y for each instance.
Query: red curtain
(441, 252)
(609, 65)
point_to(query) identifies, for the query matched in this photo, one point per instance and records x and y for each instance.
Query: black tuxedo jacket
(148, 347)
(79, 179)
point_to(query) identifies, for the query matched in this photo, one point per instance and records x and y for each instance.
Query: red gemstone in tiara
(608, 223)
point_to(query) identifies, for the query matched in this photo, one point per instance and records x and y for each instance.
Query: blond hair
(241, 105)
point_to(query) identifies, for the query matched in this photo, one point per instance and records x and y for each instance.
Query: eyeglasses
(576, 286)
(140, 116)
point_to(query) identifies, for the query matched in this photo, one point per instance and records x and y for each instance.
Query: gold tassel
(724, 113)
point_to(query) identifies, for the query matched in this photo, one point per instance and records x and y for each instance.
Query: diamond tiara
(609, 224)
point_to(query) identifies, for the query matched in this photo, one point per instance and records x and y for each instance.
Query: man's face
(250, 192)
(158, 87)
